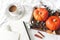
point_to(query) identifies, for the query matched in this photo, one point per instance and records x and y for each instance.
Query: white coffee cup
(19, 10)
(17, 13)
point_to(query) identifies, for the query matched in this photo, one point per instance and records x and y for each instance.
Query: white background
(17, 25)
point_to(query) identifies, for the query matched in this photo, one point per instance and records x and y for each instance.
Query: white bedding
(17, 25)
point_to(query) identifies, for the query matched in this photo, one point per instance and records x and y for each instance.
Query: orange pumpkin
(59, 17)
(53, 23)
(40, 14)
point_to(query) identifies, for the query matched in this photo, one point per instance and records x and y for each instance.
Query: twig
(26, 30)
(38, 36)
(41, 34)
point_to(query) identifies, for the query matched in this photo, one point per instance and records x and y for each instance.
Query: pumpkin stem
(40, 13)
(54, 20)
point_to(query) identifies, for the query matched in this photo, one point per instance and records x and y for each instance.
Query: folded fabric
(53, 4)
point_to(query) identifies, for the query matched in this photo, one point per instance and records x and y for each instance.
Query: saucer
(20, 7)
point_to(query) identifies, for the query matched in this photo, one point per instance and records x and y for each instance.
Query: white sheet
(7, 35)
(17, 25)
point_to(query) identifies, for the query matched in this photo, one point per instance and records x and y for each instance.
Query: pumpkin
(59, 17)
(40, 14)
(53, 23)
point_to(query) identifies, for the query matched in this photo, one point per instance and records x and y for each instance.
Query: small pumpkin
(59, 17)
(53, 23)
(40, 14)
